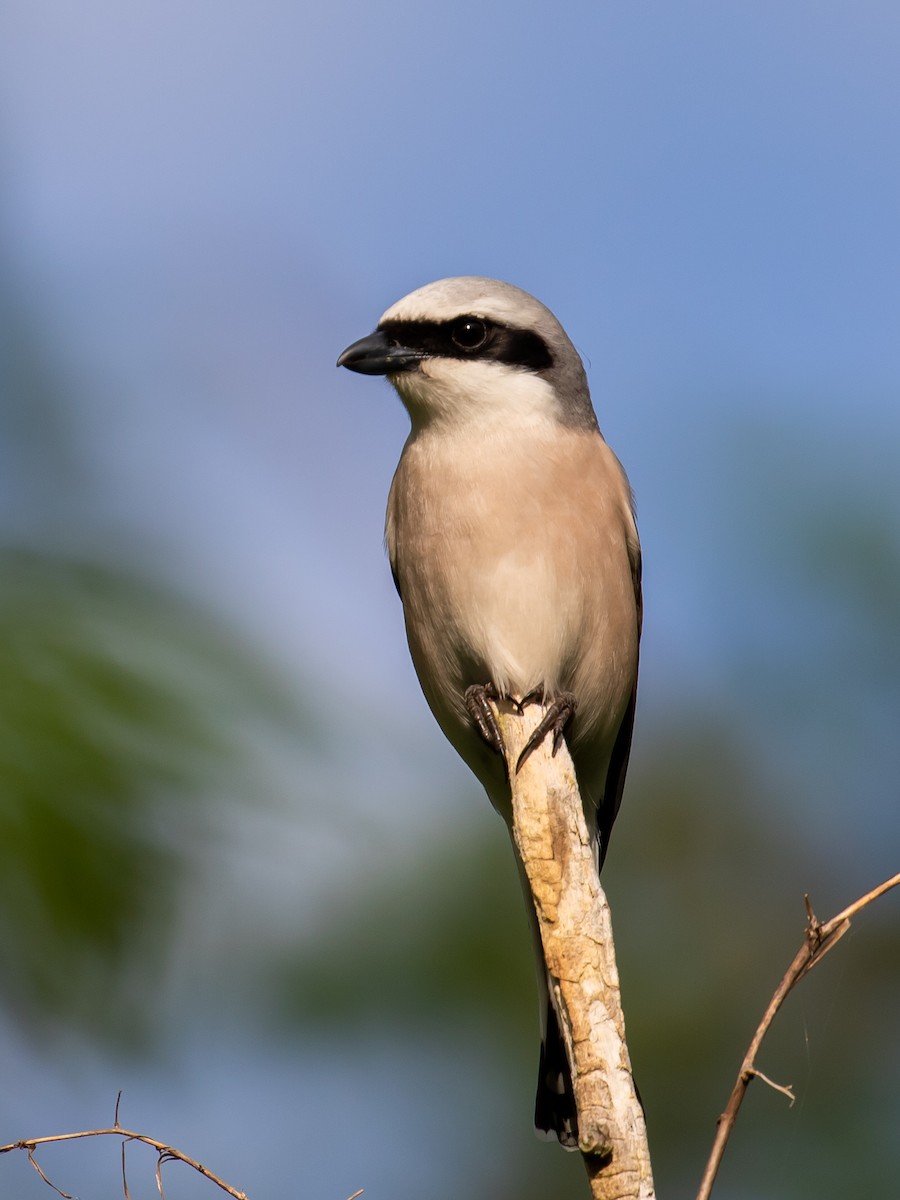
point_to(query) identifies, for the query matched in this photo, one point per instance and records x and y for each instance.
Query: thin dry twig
(820, 938)
(159, 1186)
(164, 1154)
(125, 1190)
(34, 1162)
(786, 1089)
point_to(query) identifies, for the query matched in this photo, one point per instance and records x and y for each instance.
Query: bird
(513, 544)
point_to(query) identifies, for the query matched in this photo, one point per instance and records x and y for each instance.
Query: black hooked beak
(377, 354)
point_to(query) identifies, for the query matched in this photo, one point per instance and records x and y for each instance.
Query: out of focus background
(242, 877)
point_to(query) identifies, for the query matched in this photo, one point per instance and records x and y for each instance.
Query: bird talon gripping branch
(478, 699)
(554, 721)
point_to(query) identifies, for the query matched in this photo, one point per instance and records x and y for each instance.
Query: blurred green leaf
(118, 708)
(115, 706)
(441, 938)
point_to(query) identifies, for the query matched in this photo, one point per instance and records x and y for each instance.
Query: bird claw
(554, 721)
(477, 699)
(535, 696)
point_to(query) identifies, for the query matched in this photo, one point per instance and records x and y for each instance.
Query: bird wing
(618, 762)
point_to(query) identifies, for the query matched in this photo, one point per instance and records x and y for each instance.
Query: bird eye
(469, 333)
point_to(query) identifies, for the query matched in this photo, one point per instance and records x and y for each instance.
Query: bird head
(476, 352)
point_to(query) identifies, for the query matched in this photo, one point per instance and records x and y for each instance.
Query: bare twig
(159, 1184)
(555, 847)
(786, 1089)
(820, 938)
(164, 1154)
(125, 1190)
(49, 1182)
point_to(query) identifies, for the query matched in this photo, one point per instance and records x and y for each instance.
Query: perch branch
(820, 938)
(552, 838)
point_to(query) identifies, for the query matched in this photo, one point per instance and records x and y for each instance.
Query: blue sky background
(203, 203)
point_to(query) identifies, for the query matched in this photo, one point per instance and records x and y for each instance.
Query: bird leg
(477, 699)
(555, 719)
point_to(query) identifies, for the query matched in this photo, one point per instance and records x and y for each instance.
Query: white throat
(475, 397)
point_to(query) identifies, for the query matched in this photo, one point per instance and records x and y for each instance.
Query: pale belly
(509, 613)
(505, 580)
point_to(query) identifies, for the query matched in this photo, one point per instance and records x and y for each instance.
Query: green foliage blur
(112, 693)
(117, 704)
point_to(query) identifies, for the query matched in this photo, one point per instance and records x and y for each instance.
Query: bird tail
(555, 1114)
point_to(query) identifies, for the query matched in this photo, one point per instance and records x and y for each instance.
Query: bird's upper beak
(378, 354)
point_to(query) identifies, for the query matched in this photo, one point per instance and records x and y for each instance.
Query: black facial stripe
(515, 347)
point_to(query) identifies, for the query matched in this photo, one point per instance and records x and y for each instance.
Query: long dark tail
(555, 1114)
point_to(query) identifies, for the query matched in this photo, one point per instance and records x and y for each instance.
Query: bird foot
(554, 720)
(477, 699)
